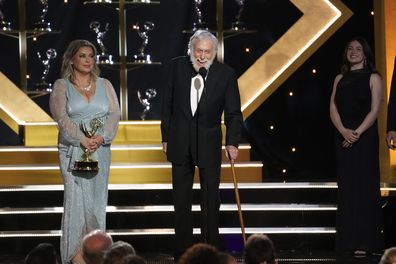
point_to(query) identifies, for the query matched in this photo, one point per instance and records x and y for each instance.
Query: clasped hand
(350, 137)
(92, 144)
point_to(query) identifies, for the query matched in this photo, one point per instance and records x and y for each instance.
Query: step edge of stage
(168, 186)
(225, 207)
(170, 231)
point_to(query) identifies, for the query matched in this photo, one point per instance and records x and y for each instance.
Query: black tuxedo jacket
(179, 126)
(391, 126)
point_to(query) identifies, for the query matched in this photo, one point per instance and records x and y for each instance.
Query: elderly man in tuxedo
(197, 90)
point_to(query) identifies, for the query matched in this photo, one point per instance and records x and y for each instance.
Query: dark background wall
(300, 121)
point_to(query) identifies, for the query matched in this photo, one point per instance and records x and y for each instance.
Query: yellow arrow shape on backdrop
(16, 108)
(321, 18)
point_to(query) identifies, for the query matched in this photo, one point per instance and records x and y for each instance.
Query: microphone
(203, 71)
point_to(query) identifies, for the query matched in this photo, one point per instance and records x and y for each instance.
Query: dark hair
(389, 256)
(259, 248)
(200, 254)
(369, 58)
(134, 259)
(117, 252)
(42, 253)
(225, 258)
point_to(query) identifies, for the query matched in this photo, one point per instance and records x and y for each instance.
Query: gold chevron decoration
(321, 18)
(16, 108)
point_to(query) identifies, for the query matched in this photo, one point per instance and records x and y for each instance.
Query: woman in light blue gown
(79, 97)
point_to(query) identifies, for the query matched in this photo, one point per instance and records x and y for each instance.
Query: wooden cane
(238, 202)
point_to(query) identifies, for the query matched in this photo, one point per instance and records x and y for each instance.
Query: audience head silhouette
(95, 245)
(134, 259)
(226, 258)
(200, 254)
(389, 256)
(259, 249)
(116, 253)
(42, 253)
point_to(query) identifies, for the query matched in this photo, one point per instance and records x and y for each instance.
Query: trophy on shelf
(103, 57)
(43, 25)
(200, 24)
(145, 101)
(143, 33)
(86, 163)
(238, 24)
(4, 25)
(43, 86)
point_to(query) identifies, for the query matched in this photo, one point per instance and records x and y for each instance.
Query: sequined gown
(85, 194)
(359, 215)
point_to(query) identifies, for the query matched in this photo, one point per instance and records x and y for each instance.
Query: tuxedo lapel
(186, 88)
(210, 82)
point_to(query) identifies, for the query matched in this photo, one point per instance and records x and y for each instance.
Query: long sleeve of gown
(69, 130)
(113, 116)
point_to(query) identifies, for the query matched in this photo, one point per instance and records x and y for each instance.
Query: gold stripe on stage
(321, 18)
(16, 108)
(39, 134)
(129, 132)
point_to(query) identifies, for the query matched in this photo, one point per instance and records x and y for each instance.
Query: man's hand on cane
(231, 152)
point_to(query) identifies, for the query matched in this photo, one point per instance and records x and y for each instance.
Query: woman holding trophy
(86, 109)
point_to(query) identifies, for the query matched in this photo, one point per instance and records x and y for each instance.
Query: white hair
(201, 35)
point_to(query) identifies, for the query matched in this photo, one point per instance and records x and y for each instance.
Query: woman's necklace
(86, 88)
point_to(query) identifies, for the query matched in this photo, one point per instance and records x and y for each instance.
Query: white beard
(195, 63)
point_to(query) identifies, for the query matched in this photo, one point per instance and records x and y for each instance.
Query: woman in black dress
(354, 106)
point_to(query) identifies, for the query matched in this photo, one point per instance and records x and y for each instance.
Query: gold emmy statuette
(86, 163)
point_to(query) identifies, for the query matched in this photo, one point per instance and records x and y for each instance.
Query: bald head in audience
(95, 245)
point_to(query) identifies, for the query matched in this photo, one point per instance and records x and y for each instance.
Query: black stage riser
(143, 220)
(164, 197)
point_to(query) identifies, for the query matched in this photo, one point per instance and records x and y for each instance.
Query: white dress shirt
(197, 80)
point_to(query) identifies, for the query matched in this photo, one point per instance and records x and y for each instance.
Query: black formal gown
(359, 214)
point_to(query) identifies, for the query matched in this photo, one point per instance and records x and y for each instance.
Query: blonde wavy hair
(67, 70)
(389, 256)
